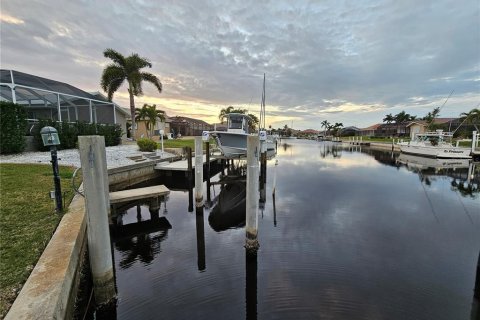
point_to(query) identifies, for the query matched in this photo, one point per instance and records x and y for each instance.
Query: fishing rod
(439, 109)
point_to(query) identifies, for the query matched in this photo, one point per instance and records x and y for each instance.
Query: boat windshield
(236, 122)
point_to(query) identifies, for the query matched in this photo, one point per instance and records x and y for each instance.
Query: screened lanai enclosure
(58, 101)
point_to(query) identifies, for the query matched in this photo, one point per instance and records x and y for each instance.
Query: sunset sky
(342, 61)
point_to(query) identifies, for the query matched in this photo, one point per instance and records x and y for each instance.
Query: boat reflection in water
(139, 240)
(229, 211)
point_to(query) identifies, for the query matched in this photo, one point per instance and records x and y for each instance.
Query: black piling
(199, 220)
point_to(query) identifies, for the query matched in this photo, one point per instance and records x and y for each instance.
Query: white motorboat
(436, 144)
(233, 142)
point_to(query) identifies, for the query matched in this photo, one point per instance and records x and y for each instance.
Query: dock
(136, 194)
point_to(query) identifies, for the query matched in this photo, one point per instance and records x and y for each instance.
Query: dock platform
(181, 165)
(136, 194)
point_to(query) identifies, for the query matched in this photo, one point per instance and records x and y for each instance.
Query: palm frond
(112, 78)
(115, 56)
(153, 79)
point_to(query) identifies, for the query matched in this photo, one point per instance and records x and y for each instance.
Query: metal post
(94, 169)
(14, 96)
(59, 110)
(91, 111)
(56, 180)
(251, 227)
(161, 137)
(198, 172)
(114, 114)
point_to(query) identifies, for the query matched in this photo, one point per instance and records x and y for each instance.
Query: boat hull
(232, 145)
(436, 152)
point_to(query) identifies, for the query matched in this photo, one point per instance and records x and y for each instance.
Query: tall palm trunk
(132, 112)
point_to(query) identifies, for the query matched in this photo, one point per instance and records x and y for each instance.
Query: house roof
(309, 131)
(372, 127)
(180, 119)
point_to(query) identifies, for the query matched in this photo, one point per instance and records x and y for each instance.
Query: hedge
(68, 133)
(13, 123)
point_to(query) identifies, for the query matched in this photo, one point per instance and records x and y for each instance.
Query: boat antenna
(262, 106)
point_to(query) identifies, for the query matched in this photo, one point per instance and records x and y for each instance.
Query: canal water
(351, 234)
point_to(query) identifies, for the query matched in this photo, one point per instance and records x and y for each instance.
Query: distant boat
(233, 142)
(436, 144)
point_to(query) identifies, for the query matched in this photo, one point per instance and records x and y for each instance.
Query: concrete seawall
(50, 291)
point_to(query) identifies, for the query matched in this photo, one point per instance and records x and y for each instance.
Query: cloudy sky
(342, 61)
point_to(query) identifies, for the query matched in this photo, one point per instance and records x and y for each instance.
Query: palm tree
(127, 69)
(224, 112)
(149, 114)
(325, 124)
(472, 117)
(337, 126)
(388, 118)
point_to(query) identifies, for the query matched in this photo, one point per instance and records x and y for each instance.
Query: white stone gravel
(116, 156)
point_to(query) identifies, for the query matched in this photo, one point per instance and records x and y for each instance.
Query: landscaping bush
(146, 144)
(69, 132)
(13, 123)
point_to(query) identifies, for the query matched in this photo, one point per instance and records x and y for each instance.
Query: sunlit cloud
(352, 107)
(10, 19)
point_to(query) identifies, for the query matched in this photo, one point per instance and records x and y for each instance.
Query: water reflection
(139, 240)
(357, 240)
(229, 210)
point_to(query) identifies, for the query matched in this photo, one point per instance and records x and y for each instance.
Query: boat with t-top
(437, 144)
(233, 142)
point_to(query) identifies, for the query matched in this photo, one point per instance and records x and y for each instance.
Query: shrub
(146, 144)
(13, 124)
(69, 132)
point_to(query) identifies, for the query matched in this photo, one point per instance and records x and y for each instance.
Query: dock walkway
(140, 193)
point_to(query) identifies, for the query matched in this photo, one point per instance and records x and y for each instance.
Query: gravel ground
(116, 156)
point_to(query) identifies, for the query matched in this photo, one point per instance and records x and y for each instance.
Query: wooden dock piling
(198, 172)
(251, 227)
(94, 169)
(207, 146)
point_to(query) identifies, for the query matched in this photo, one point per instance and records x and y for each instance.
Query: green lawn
(180, 143)
(27, 222)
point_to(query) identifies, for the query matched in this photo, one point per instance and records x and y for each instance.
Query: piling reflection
(200, 229)
(140, 240)
(330, 150)
(475, 314)
(250, 285)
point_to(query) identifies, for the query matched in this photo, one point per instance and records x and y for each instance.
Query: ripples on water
(356, 234)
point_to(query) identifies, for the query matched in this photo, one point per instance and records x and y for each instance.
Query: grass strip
(27, 222)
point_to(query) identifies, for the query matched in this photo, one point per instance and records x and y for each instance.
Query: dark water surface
(354, 235)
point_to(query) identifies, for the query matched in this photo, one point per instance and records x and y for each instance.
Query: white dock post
(474, 140)
(94, 168)
(198, 172)
(251, 227)
(275, 177)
